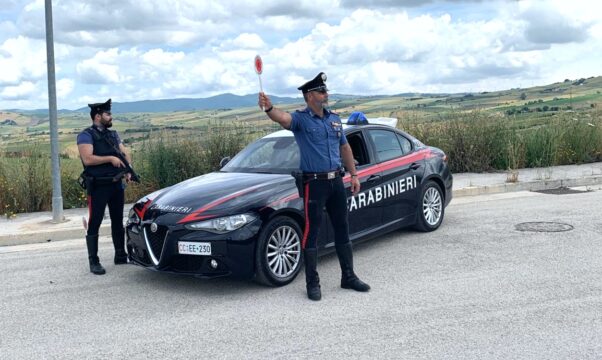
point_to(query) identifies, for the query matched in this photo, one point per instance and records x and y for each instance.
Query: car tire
(429, 214)
(278, 257)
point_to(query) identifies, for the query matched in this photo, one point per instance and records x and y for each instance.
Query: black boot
(121, 256)
(92, 243)
(348, 278)
(311, 274)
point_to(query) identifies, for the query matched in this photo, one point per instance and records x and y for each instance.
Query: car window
(358, 147)
(406, 145)
(277, 155)
(386, 144)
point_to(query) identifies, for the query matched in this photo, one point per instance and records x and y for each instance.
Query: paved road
(475, 289)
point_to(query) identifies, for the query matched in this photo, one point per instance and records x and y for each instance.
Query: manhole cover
(543, 227)
(561, 191)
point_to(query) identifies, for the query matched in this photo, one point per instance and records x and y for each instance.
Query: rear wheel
(431, 210)
(278, 255)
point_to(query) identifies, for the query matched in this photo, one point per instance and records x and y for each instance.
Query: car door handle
(414, 166)
(373, 178)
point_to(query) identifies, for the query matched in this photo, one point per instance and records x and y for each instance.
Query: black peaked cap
(99, 108)
(316, 84)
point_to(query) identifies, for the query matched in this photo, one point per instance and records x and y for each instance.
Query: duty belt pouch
(85, 181)
(81, 180)
(299, 182)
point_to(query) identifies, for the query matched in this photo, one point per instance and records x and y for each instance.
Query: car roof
(383, 121)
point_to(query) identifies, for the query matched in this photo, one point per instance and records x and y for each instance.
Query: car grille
(156, 239)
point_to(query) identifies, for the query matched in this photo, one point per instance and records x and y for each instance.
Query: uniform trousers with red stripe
(332, 195)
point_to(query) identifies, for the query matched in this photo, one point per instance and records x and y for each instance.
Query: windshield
(275, 155)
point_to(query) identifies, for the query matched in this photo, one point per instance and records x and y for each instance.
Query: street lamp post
(57, 198)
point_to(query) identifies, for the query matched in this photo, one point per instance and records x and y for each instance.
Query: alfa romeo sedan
(246, 220)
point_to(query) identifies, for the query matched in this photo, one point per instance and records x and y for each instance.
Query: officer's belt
(103, 180)
(322, 175)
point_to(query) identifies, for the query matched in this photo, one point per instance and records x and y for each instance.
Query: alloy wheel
(432, 206)
(283, 251)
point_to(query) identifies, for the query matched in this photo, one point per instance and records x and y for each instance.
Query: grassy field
(540, 126)
(565, 95)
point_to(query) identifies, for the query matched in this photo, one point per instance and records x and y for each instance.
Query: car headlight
(133, 218)
(222, 225)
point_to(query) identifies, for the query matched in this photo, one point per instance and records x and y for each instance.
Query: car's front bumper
(231, 255)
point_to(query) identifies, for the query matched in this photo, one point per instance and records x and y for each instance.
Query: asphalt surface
(38, 227)
(474, 289)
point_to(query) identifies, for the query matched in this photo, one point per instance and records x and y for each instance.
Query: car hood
(214, 193)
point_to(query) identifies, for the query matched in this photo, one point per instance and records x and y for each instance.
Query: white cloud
(91, 72)
(248, 41)
(22, 59)
(383, 3)
(390, 52)
(34, 5)
(190, 48)
(105, 66)
(64, 87)
(161, 58)
(7, 29)
(19, 92)
(549, 25)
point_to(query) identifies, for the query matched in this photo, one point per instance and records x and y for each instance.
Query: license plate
(194, 248)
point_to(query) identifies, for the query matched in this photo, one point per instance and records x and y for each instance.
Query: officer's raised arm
(281, 117)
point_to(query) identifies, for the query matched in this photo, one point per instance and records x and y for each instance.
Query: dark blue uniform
(105, 193)
(106, 188)
(319, 141)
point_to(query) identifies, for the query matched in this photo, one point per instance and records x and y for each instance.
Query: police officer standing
(98, 149)
(322, 143)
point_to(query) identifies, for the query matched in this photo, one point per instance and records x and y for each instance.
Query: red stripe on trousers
(305, 204)
(89, 207)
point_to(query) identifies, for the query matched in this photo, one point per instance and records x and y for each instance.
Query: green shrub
(541, 146)
(474, 141)
(25, 182)
(73, 195)
(581, 140)
(167, 159)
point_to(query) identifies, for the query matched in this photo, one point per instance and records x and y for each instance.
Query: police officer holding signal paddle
(322, 144)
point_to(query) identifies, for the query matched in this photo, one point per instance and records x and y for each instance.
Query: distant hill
(218, 102)
(511, 97)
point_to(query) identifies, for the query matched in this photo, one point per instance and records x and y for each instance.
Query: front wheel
(430, 211)
(278, 254)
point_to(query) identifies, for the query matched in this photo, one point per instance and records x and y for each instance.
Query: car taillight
(444, 158)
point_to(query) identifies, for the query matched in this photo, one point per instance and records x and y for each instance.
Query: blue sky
(139, 50)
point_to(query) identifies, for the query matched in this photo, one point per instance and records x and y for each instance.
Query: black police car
(246, 220)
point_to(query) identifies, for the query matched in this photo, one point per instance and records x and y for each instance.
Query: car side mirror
(224, 161)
